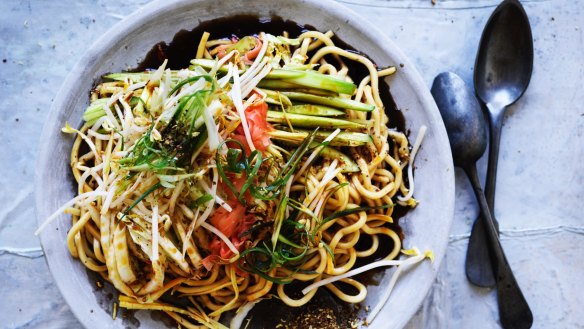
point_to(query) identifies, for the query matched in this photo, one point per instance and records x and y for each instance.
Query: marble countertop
(540, 187)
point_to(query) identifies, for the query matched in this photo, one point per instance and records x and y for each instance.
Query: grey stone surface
(540, 185)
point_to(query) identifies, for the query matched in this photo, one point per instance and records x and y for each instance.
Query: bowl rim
(117, 31)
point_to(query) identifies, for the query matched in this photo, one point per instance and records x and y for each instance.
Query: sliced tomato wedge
(232, 224)
(227, 222)
(256, 116)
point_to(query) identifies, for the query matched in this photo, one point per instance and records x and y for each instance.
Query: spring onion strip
(89, 196)
(172, 104)
(186, 90)
(417, 143)
(331, 172)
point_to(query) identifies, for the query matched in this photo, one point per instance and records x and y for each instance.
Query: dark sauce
(179, 52)
(183, 48)
(323, 311)
(106, 295)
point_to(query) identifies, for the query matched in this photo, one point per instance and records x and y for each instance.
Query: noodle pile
(261, 164)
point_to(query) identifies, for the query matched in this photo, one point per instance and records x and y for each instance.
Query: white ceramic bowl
(126, 44)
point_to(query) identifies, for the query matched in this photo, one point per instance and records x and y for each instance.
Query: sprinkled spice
(321, 318)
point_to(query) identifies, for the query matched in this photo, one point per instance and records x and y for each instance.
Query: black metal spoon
(502, 72)
(467, 133)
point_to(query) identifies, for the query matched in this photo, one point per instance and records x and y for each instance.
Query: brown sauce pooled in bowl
(325, 310)
(183, 48)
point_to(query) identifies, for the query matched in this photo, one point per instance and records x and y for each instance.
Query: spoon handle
(514, 311)
(496, 126)
(478, 261)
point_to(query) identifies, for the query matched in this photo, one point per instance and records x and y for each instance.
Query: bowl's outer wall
(126, 44)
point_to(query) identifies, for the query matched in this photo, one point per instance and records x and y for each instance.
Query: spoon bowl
(462, 117)
(505, 59)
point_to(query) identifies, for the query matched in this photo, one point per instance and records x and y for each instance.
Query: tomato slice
(232, 224)
(256, 116)
(226, 221)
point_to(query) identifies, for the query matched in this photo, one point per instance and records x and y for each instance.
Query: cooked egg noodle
(144, 151)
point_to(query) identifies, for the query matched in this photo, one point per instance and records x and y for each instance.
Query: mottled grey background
(540, 188)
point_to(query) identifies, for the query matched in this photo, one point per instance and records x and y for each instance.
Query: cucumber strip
(316, 92)
(277, 84)
(344, 138)
(275, 97)
(287, 74)
(310, 109)
(294, 79)
(136, 77)
(311, 121)
(276, 79)
(346, 163)
(95, 111)
(337, 102)
(209, 64)
(284, 85)
(205, 63)
(312, 79)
